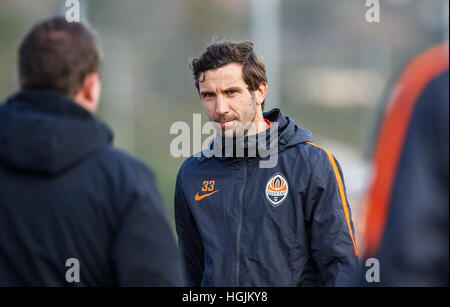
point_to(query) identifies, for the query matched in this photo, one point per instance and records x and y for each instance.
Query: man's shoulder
(192, 161)
(189, 164)
(311, 153)
(129, 177)
(316, 160)
(194, 164)
(321, 162)
(122, 163)
(113, 154)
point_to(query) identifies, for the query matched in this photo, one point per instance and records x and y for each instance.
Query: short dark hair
(222, 53)
(57, 54)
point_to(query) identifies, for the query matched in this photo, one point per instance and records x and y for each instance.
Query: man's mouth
(226, 123)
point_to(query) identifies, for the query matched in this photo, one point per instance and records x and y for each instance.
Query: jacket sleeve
(145, 251)
(329, 224)
(414, 247)
(189, 240)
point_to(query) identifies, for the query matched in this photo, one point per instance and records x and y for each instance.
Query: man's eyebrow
(206, 92)
(233, 88)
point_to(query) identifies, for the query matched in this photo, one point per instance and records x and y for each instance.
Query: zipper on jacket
(238, 233)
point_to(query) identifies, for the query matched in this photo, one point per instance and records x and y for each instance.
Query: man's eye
(207, 95)
(231, 92)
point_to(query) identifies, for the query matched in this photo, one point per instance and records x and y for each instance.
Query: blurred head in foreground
(62, 56)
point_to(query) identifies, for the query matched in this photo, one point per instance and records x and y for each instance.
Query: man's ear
(89, 95)
(261, 92)
(91, 87)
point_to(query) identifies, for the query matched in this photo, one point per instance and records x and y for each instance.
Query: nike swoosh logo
(200, 197)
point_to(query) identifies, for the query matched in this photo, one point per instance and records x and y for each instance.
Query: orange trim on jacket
(391, 138)
(341, 193)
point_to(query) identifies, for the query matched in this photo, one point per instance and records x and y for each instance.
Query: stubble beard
(245, 124)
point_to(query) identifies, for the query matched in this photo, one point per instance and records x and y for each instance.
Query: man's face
(226, 98)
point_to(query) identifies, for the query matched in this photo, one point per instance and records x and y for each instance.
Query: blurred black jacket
(66, 192)
(407, 213)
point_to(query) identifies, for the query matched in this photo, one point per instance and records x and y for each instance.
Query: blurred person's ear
(89, 95)
(261, 92)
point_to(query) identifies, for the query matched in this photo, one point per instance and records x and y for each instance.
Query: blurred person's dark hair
(57, 55)
(221, 53)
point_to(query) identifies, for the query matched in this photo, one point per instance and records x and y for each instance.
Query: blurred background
(329, 69)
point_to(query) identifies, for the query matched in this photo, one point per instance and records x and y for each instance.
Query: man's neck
(258, 125)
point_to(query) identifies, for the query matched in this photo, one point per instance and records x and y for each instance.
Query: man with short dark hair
(74, 211)
(242, 224)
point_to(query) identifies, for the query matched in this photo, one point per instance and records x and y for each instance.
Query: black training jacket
(242, 225)
(65, 192)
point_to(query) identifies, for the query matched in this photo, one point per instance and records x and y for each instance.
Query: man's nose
(221, 105)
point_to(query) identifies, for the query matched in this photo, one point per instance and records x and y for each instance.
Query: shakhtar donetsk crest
(276, 190)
